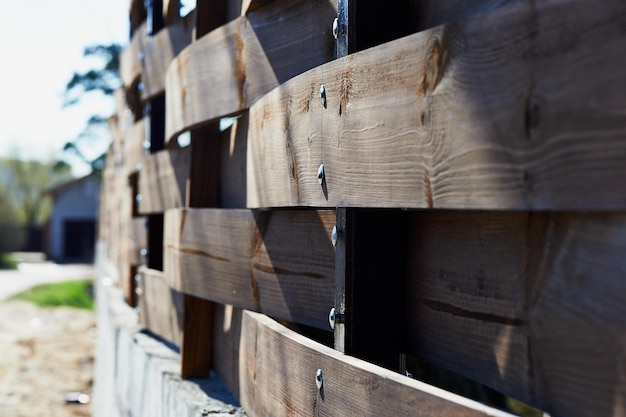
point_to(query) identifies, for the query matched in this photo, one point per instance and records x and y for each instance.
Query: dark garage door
(79, 240)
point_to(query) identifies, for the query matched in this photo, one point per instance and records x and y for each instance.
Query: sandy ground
(45, 353)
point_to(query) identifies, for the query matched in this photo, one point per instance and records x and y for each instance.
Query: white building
(71, 228)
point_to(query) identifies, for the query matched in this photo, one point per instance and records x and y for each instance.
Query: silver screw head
(138, 198)
(137, 278)
(323, 95)
(334, 235)
(336, 28)
(143, 252)
(319, 379)
(321, 174)
(331, 318)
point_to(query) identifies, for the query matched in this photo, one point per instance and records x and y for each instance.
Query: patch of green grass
(75, 294)
(7, 261)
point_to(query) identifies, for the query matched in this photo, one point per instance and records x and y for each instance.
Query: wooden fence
(442, 179)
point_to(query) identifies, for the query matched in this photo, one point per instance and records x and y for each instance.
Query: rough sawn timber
(530, 304)
(160, 50)
(279, 263)
(272, 371)
(231, 67)
(519, 108)
(130, 58)
(161, 308)
(163, 181)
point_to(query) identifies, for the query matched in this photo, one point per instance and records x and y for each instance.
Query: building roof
(60, 188)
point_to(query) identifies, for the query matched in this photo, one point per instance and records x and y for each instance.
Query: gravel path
(45, 353)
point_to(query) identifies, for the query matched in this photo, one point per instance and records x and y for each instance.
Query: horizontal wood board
(231, 67)
(161, 308)
(163, 181)
(519, 108)
(530, 304)
(133, 146)
(130, 58)
(279, 263)
(159, 51)
(272, 370)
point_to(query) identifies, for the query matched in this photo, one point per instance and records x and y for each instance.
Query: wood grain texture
(163, 181)
(280, 263)
(527, 303)
(161, 308)
(136, 240)
(520, 108)
(276, 376)
(159, 51)
(133, 147)
(196, 348)
(130, 58)
(227, 70)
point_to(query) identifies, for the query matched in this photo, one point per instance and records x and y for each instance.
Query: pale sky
(41, 47)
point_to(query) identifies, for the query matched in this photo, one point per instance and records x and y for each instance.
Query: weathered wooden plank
(163, 181)
(276, 375)
(130, 58)
(160, 50)
(280, 263)
(137, 14)
(465, 295)
(161, 308)
(136, 240)
(481, 113)
(227, 70)
(197, 343)
(527, 303)
(124, 115)
(227, 337)
(133, 147)
(171, 12)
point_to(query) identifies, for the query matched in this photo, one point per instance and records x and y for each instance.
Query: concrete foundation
(137, 375)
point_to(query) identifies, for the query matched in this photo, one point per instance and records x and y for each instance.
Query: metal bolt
(142, 56)
(320, 174)
(143, 252)
(140, 87)
(336, 27)
(334, 236)
(319, 379)
(137, 310)
(323, 95)
(138, 198)
(334, 317)
(138, 289)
